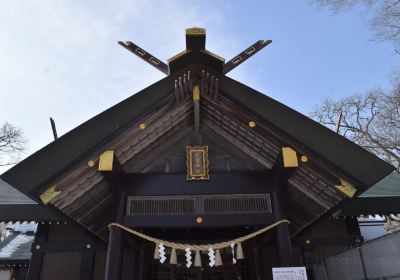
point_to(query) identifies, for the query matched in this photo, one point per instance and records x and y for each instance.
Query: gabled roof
(167, 109)
(51, 160)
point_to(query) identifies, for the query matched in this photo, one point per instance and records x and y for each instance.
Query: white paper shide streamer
(211, 254)
(161, 250)
(188, 255)
(233, 253)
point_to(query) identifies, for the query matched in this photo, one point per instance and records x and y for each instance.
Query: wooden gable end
(197, 104)
(238, 141)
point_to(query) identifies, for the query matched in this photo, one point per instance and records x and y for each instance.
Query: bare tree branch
(384, 16)
(371, 120)
(12, 144)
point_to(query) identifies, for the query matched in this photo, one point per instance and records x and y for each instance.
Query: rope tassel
(156, 253)
(239, 252)
(173, 259)
(218, 260)
(197, 259)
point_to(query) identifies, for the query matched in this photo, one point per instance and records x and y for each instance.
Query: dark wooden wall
(69, 252)
(64, 253)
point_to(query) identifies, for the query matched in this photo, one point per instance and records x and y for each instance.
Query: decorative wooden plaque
(197, 162)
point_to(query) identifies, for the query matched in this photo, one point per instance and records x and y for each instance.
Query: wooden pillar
(136, 266)
(283, 242)
(258, 260)
(112, 171)
(35, 265)
(115, 241)
(284, 246)
(114, 255)
(87, 260)
(353, 227)
(309, 260)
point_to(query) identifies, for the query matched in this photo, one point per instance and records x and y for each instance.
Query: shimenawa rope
(194, 247)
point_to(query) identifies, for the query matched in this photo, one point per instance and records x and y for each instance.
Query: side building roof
(16, 206)
(383, 198)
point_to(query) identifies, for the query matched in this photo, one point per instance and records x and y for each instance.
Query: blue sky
(61, 58)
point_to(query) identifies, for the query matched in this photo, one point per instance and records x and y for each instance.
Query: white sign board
(5, 274)
(289, 273)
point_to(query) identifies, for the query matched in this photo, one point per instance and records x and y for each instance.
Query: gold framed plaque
(197, 163)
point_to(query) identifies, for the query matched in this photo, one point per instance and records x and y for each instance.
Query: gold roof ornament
(106, 161)
(49, 195)
(196, 31)
(289, 157)
(196, 93)
(252, 124)
(214, 55)
(348, 189)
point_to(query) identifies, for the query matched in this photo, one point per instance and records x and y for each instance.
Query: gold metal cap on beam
(289, 157)
(196, 93)
(196, 31)
(304, 158)
(214, 55)
(49, 194)
(348, 189)
(106, 161)
(252, 124)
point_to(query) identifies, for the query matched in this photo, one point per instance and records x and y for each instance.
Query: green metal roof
(387, 187)
(383, 198)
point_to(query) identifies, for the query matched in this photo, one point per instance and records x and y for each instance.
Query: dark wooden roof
(343, 154)
(44, 165)
(166, 108)
(51, 160)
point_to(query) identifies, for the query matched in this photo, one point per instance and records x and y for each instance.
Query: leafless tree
(384, 16)
(12, 144)
(371, 120)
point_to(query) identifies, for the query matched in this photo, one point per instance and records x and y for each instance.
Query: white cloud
(61, 58)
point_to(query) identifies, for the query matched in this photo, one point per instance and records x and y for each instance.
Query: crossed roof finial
(195, 52)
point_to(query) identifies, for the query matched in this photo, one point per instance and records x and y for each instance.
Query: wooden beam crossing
(146, 56)
(244, 55)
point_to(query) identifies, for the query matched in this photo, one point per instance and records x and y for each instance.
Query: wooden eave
(85, 195)
(52, 160)
(350, 159)
(143, 127)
